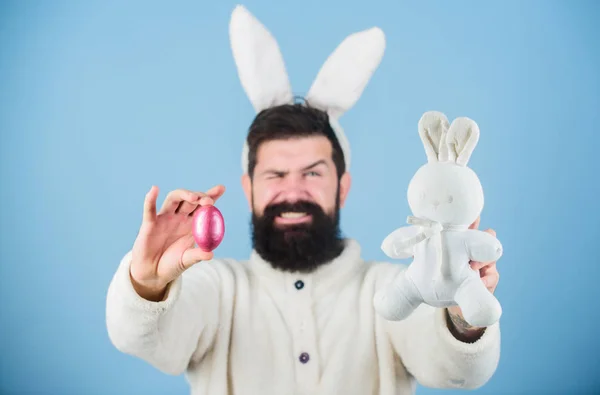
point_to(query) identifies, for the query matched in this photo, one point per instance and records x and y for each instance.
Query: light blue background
(101, 99)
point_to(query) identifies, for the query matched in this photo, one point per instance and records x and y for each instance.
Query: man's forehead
(294, 153)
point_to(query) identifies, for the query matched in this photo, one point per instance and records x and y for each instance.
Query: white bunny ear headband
(336, 88)
(448, 143)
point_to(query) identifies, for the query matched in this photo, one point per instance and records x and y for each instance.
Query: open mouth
(293, 218)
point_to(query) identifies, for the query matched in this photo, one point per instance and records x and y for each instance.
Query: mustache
(276, 209)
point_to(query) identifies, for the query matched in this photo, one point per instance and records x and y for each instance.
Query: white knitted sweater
(241, 327)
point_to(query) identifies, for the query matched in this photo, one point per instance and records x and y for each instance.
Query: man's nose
(294, 189)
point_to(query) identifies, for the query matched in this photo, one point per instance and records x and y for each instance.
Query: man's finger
(488, 269)
(216, 192)
(183, 201)
(491, 281)
(475, 265)
(204, 201)
(475, 224)
(150, 205)
(175, 198)
(210, 197)
(186, 208)
(491, 231)
(191, 256)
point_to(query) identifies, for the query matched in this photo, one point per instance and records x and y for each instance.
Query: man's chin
(292, 232)
(291, 227)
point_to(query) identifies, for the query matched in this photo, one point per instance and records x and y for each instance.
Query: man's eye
(312, 174)
(275, 175)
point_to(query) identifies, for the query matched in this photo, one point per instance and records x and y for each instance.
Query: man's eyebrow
(317, 163)
(273, 171)
(284, 172)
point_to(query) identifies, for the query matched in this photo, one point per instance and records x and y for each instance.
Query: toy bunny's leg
(479, 306)
(397, 300)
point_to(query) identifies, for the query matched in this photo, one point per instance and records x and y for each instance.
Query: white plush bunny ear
(461, 139)
(433, 127)
(259, 64)
(259, 61)
(343, 77)
(346, 72)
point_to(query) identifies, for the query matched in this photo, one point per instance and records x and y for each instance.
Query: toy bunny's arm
(482, 246)
(397, 245)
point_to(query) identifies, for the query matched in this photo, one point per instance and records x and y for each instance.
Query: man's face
(295, 197)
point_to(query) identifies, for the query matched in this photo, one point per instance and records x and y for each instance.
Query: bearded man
(296, 317)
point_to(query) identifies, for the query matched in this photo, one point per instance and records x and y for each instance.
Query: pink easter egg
(209, 227)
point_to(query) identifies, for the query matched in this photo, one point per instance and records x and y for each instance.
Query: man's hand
(164, 247)
(490, 277)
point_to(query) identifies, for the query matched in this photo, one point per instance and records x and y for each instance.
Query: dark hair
(290, 121)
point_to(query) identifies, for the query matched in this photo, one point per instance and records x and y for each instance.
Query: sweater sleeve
(436, 359)
(166, 334)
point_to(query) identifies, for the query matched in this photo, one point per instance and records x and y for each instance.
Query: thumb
(491, 231)
(191, 256)
(475, 224)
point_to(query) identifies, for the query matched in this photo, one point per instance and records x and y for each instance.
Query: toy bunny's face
(446, 193)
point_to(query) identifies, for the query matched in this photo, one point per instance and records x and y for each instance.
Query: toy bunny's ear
(433, 127)
(346, 72)
(259, 61)
(462, 138)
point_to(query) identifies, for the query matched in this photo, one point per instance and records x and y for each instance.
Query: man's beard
(297, 247)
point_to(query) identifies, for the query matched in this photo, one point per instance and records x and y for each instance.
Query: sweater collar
(325, 277)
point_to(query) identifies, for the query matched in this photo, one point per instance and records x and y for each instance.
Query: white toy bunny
(445, 197)
(336, 88)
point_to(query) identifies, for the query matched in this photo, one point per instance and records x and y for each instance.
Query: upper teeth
(292, 215)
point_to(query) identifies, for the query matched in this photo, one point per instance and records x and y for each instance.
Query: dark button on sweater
(304, 357)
